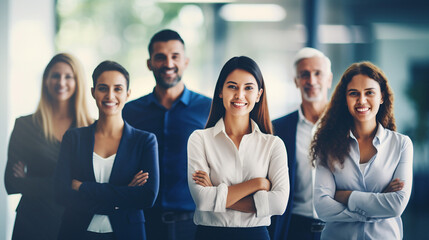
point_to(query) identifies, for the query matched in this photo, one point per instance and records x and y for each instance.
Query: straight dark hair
(109, 66)
(259, 113)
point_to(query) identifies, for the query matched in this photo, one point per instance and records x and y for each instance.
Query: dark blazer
(38, 216)
(285, 127)
(137, 151)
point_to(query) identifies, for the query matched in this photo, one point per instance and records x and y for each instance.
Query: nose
(362, 98)
(169, 62)
(110, 94)
(239, 94)
(62, 81)
(312, 79)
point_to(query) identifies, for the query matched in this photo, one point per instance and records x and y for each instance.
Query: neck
(237, 126)
(168, 96)
(313, 110)
(365, 130)
(110, 125)
(62, 109)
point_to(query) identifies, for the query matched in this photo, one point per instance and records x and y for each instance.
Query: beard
(312, 97)
(166, 82)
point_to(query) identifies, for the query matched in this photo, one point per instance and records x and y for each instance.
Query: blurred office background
(394, 34)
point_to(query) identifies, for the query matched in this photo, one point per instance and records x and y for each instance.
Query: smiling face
(363, 98)
(110, 93)
(240, 93)
(313, 79)
(60, 83)
(168, 62)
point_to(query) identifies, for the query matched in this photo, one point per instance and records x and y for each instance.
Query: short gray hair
(308, 52)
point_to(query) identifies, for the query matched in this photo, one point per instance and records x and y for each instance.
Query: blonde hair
(44, 113)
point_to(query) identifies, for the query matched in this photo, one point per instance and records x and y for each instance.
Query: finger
(138, 181)
(142, 183)
(140, 176)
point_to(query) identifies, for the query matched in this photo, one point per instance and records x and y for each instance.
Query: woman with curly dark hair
(363, 167)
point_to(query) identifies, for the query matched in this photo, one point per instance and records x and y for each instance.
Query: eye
(304, 75)
(232, 86)
(159, 57)
(69, 77)
(249, 88)
(118, 89)
(55, 75)
(353, 94)
(102, 88)
(370, 93)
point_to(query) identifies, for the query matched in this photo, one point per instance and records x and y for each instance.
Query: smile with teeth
(362, 109)
(109, 104)
(238, 104)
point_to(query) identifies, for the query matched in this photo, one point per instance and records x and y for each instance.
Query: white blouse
(259, 155)
(370, 213)
(102, 170)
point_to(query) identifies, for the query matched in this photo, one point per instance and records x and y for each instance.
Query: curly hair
(331, 141)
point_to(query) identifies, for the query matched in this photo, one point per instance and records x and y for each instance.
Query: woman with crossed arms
(107, 172)
(237, 170)
(364, 167)
(35, 145)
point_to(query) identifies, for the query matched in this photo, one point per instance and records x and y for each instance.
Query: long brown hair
(331, 142)
(44, 113)
(259, 112)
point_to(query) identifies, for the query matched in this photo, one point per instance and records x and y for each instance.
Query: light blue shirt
(370, 214)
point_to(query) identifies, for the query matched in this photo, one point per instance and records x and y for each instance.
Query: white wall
(26, 45)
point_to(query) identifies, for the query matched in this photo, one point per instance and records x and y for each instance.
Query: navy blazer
(138, 150)
(285, 127)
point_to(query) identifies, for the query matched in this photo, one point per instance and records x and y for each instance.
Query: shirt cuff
(352, 204)
(260, 199)
(221, 194)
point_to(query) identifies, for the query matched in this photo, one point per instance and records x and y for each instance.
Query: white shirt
(102, 169)
(259, 155)
(303, 193)
(369, 214)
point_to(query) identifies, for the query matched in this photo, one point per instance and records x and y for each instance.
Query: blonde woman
(34, 147)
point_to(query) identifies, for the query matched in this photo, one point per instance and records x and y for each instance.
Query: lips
(362, 109)
(239, 104)
(169, 71)
(110, 104)
(61, 90)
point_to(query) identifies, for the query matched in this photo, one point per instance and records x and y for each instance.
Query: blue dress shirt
(172, 128)
(370, 213)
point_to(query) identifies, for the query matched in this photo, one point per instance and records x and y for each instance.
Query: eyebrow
(366, 89)
(250, 83)
(116, 85)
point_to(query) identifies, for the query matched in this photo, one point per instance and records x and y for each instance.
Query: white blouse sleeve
(206, 198)
(387, 205)
(327, 208)
(274, 202)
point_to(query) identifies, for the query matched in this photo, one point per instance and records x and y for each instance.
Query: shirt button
(116, 208)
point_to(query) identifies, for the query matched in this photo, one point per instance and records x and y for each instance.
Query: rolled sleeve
(262, 204)
(221, 195)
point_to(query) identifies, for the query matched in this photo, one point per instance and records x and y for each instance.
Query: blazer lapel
(121, 154)
(88, 154)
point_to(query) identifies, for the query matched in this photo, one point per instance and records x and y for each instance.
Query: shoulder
(137, 102)
(398, 139)
(83, 132)
(141, 135)
(25, 120)
(199, 98)
(201, 134)
(287, 119)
